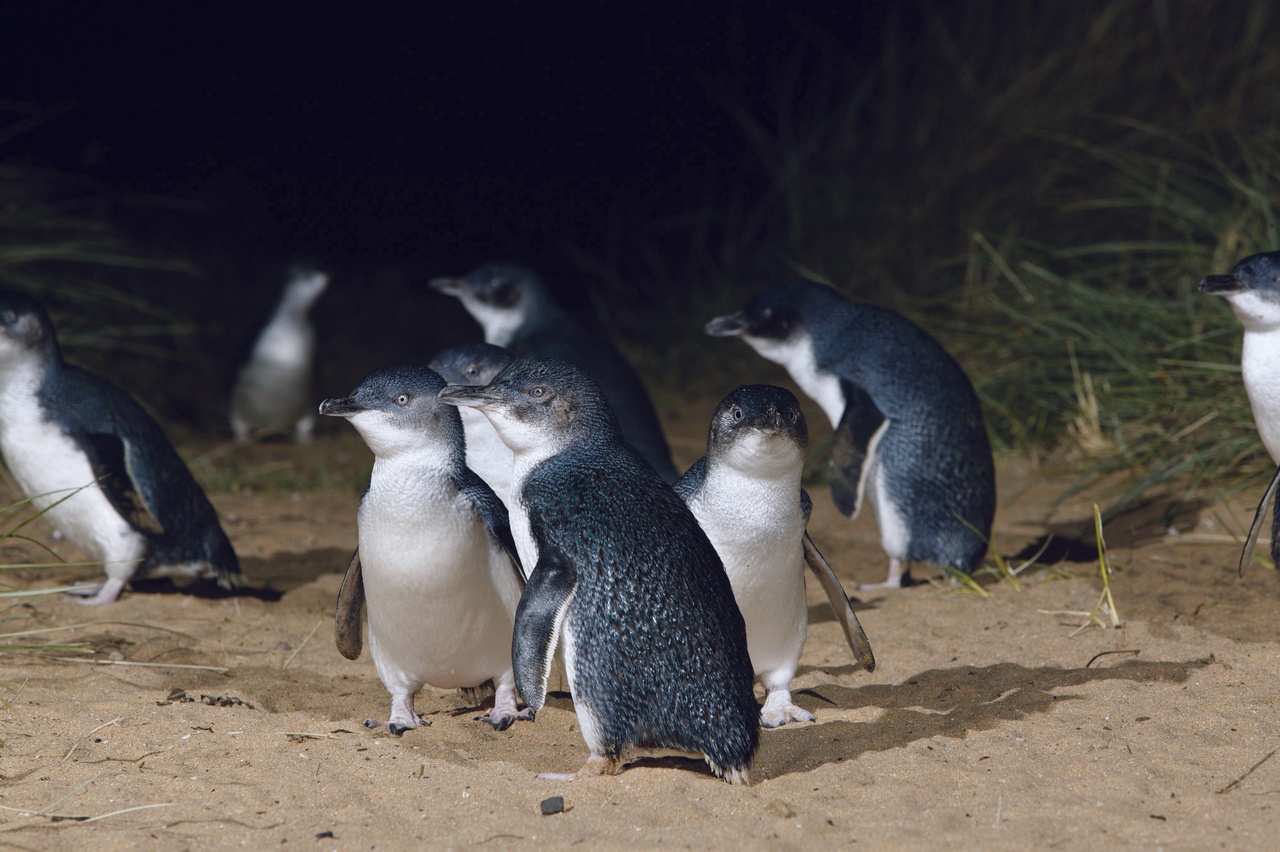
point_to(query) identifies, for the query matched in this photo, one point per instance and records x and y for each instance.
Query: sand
(992, 720)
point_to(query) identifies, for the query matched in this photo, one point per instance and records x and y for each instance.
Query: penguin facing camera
(477, 364)
(100, 468)
(747, 497)
(517, 313)
(909, 433)
(272, 391)
(622, 576)
(435, 565)
(1252, 289)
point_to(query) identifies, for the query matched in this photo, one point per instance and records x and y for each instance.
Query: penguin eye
(735, 413)
(537, 391)
(402, 399)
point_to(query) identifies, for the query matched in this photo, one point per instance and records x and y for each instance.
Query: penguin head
(395, 410)
(540, 406)
(1252, 289)
(760, 430)
(304, 286)
(471, 363)
(501, 297)
(26, 334)
(772, 323)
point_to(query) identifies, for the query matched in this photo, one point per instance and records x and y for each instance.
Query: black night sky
(448, 134)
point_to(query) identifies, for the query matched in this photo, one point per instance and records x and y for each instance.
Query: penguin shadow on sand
(948, 702)
(1142, 523)
(265, 578)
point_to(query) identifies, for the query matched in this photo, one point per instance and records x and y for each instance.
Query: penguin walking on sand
(436, 564)
(747, 497)
(477, 364)
(622, 576)
(99, 467)
(909, 431)
(1252, 289)
(272, 392)
(517, 313)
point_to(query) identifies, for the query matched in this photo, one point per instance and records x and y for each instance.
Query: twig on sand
(289, 660)
(1101, 654)
(76, 744)
(1236, 783)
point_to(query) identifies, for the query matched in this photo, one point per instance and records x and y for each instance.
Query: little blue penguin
(272, 392)
(435, 564)
(622, 575)
(908, 426)
(746, 494)
(1252, 289)
(477, 364)
(100, 468)
(513, 306)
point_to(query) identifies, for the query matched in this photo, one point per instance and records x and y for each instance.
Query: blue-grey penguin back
(659, 647)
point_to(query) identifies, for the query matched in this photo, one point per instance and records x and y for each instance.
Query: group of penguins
(523, 499)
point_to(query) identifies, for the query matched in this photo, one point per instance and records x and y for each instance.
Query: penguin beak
(448, 286)
(1221, 285)
(728, 325)
(468, 396)
(345, 407)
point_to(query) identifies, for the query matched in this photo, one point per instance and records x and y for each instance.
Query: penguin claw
(790, 713)
(506, 720)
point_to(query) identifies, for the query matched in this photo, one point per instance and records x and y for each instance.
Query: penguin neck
(287, 339)
(796, 354)
(771, 464)
(21, 378)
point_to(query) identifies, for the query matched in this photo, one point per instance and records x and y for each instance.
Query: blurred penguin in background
(272, 393)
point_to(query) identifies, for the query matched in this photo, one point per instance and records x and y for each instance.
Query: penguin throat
(796, 354)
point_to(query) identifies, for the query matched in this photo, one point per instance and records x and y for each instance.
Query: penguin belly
(272, 390)
(49, 466)
(1259, 366)
(758, 535)
(438, 611)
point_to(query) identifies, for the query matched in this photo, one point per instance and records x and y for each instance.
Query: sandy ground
(991, 720)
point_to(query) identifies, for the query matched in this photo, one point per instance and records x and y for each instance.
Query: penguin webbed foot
(97, 594)
(502, 721)
(778, 710)
(395, 727)
(899, 578)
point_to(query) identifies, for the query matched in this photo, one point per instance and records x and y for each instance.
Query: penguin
(517, 312)
(272, 391)
(477, 364)
(909, 431)
(622, 576)
(98, 466)
(1252, 289)
(435, 564)
(746, 494)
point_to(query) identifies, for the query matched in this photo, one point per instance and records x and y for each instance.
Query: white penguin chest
(1260, 368)
(285, 342)
(491, 459)
(796, 355)
(49, 466)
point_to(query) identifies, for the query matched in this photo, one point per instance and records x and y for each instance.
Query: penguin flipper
(539, 618)
(494, 512)
(108, 456)
(1250, 542)
(853, 632)
(851, 447)
(346, 620)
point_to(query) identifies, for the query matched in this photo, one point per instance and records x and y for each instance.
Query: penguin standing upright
(622, 575)
(746, 494)
(97, 464)
(908, 426)
(436, 563)
(517, 313)
(272, 392)
(1252, 289)
(477, 364)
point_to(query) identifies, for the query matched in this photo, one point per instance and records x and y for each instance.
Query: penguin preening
(909, 432)
(435, 564)
(1252, 289)
(746, 494)
(103, 471)
(517, 313)
(477, 364)
(622, 576)
(272, 392)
